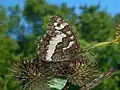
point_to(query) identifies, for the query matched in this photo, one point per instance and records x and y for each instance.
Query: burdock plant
(68, 64)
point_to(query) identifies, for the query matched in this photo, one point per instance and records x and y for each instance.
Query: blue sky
(111, 6)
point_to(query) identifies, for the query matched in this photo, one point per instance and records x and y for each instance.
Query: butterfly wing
(59, 43)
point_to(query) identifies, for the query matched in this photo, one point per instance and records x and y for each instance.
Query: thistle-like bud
(30, 75)
(35, 75)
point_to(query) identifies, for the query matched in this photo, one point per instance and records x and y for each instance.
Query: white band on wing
(52, 46)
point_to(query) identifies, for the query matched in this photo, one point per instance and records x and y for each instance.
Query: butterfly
(59, 43)
(61, 47)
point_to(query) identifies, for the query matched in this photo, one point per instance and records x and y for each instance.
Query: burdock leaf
(57, 83)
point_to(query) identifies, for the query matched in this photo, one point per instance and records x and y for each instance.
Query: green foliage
(94, 26)
(3, 23)
(8, 55)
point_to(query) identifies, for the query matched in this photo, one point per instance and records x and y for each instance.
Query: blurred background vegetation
(20, 30)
